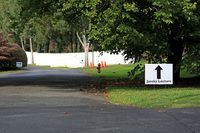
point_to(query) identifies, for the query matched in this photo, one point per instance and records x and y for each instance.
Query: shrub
(10, 53)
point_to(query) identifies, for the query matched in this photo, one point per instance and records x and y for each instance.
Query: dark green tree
(157, 30)
(151, 29)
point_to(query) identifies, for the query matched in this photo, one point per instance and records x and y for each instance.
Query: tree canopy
(160, 31)
(157, 30)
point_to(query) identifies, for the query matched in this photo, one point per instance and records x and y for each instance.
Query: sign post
(158, 74)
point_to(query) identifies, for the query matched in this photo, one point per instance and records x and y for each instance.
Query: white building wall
(74, 60)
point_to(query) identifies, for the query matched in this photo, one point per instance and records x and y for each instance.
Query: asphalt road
(45, 100)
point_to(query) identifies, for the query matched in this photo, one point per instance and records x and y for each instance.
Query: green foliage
(112, 25)
(10, 18)
(2, 39)
(38, 19)
(159, 29)
(156, 30)
(137, 72)
(191, 59)
(188, 74)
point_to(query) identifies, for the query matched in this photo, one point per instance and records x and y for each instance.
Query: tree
(9, 17)
(154, 29)
(74, 12)
(181, 20)
(157, 30)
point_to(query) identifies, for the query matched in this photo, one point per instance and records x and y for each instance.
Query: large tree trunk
(175, 57)
(86, 48)
(85, 44)
(86, 55)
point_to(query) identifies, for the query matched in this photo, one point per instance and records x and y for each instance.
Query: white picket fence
(74, 60)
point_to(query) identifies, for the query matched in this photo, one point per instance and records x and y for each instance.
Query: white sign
(19, 64)
(82, 62)
(161, 74)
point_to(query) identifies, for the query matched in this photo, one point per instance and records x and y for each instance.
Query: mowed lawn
(149, 96)
(11, 71)
(155, 98)
(111, 72)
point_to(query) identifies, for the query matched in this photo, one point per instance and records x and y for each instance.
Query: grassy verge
(111, 73)
(154, 98)
(121, 72)
(146, 97)
(11, 71)
(48, 66)
(39, 66)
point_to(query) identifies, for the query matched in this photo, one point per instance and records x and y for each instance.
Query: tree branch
(80, 39)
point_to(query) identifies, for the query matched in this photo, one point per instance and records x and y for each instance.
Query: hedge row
(11, 53)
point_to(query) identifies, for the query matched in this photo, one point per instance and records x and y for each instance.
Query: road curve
(45, 100)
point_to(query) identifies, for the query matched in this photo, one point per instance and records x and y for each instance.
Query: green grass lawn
(154, 98)
(11, 71)
(110, 73)
(147, 97)
(121, 72)
(48, 66)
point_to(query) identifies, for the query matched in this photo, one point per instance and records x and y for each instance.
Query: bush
(11, 53)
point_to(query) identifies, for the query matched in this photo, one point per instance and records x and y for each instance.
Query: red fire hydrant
(99, 68)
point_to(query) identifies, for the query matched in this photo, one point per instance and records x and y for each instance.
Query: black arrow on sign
(158, 68)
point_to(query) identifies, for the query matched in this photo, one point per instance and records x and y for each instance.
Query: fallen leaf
(66, 112)
(162, 111)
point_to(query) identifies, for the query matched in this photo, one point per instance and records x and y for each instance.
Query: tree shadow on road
(57, 82)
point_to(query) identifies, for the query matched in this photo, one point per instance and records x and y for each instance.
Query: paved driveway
(45, 100)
